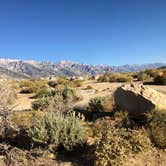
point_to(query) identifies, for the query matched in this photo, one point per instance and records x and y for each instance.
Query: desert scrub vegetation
(24, 119)
(58, 129)
(115, 143)
(69, 94)
(55, 103)
(14, 84)
(119, 77)
(160, 79)
(89, 87)
(152, 72)
(56, 100)
(66, 82)
(32, 86)
(156, 126)
(101, 104)
(7, 95)
(142, 76)
(43, 93)
(153, 76)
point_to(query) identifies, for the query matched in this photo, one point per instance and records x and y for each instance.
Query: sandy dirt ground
(158, 158)
(159, 88)
(97, 89)
(23, 102)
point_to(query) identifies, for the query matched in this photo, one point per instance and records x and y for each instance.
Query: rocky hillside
(30, 68)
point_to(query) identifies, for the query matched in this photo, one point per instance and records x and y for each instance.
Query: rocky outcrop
(138, 99)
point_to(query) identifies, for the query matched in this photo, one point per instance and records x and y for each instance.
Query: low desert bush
(13, 156)
(122, 120)
(69, 94)
(101, 104)
(66, 82)
(115, 144)
(7, 96)
(14, 84)
(112, 77)
(32, 86)
(157, 128)
(53, 84)
(43, 93)
(124, 78)
(57, 100)
(105, 77)
(152, 72)
(142, 76)
(24, 119)
(88, 87)
(160, 79)
(40, 104)
(57, 103)
(57, 129)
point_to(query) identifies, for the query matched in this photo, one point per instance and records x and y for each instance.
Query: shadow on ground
(92, 115)
(78, 157)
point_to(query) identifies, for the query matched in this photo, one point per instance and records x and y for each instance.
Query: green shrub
(142, 76)
(157, 128)
(68, 94)
(160, 79)
(96, 104)
(70, 83)
(152, 72)
(56, 103)
(115, 144)
(53, 84)
(113, 77)
(40, 104)
(105, 77)
(26, 83)
(101, 104)
(88, 87)
(32, 86)
(7, 96)
(124, 78)
(57, 129)
(42, 93)
(122, 120)
(51, 104)
(57, 100)
(24, 119)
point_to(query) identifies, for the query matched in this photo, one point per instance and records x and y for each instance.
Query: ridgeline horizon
(76, 61)
(36, 69)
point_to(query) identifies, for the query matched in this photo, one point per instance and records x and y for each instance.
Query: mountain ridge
(36, 69)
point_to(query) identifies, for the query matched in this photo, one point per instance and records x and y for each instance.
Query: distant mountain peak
(32, 68)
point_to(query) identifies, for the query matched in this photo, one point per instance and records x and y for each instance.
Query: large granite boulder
(137, 99)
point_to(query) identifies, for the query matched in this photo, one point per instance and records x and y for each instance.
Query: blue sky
(113, 32)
